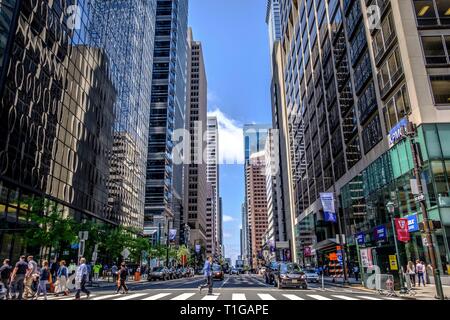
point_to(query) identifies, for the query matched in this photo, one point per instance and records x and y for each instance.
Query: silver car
(311, 276)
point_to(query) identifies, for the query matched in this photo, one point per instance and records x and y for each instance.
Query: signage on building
(393, 262)
(333, 256)
(308, 251)
(329, 212)
(366, 257)
(396, 133)
(361, 238)
(379, 233)
(413, 224)
(172, 235)
(197, 248)
(401, 226)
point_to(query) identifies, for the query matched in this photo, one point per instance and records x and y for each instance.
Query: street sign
(125, 253)
(83, 235)
(379, 233)
(393, 262)
(425, 241)
(81, 248)
(419, 198)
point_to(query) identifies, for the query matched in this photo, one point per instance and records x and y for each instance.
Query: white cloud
(227, 218)
(231, 139)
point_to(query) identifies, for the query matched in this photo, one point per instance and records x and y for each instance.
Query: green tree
(52, 228)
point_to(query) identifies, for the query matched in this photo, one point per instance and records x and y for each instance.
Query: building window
(432, 12)
(440, 89)
(436, 49)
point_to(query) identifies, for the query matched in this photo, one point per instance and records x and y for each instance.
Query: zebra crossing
(228, 295)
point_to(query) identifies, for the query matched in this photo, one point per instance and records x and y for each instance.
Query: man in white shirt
(81, 278)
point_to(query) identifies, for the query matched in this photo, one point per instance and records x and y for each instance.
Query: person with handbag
(61, 279)
(81, 279)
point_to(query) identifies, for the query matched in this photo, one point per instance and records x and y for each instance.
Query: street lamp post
(167, 243)
(390, 206)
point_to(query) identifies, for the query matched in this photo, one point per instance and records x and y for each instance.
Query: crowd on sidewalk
(27, 279)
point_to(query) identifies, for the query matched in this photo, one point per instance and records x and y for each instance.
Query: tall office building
(245, 243)
(56, 119)
(351, 79)
(164, 183)
(255, 171)
(126, 28)
(273, 20)
(196, 184)
(255, 137)
(213, 213)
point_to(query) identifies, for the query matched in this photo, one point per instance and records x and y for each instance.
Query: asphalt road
(236, 287)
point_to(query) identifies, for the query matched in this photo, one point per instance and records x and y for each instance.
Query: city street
(236, 287)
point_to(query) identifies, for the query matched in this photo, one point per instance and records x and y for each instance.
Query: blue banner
(413, 224)
(395, 134)
(172, 234)
(361, 238)
(329, 211)
(329, 216)
(380, 233)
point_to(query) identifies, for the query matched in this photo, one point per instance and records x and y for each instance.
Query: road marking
(369, 298)
(292, 297)
(73, 298)
(225, 282)
(318, 297)
(183, 296)
(132, 296)
(344, 297)
(238, 296)
(105, 297)
(157, 296)
(265, 296)
(215, 296)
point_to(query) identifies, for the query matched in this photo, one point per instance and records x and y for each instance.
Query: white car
(311, 276)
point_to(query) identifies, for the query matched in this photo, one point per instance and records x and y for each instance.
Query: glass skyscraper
(164, 184)
(126, 30)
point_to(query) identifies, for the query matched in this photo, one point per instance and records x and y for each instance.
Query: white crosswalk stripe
(183, 296)
(238, 296)
(105, 297)
(345, 297)
(292, 297)
(265, 296)
(211, 297)
(157, 296)
(131, 296)
(318, 297)
(369, 298)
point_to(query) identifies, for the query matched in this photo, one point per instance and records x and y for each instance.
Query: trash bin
(137, 276)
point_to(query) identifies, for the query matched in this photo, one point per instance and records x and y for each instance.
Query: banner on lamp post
(329, 211)
(172, 235)
(401, 226)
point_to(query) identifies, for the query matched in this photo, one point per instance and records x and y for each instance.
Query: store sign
(329, 212)
(401, 227)
(366, 257)
(379, 233)
(361, 238)
(393, 262)
(413, 224)
(396, 133)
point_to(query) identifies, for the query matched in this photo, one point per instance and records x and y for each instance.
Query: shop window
(440, 85)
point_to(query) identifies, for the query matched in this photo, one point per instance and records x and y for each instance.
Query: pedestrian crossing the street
(227, 295)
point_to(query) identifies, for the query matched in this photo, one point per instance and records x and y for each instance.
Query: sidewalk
(422, 293)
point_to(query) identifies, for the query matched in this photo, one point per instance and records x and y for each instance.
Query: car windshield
(310, 271)
(158, 269)
(216, 267)
(290, 268)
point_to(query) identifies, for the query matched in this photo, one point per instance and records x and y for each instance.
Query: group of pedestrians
(419, 270)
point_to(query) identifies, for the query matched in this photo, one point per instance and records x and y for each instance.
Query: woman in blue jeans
(420, 269)
(43, 280)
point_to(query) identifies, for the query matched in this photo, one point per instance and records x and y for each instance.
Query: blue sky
(236, 50)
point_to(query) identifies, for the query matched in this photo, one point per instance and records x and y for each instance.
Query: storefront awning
(327, 244)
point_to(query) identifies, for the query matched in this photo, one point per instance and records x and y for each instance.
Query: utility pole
(411, 134)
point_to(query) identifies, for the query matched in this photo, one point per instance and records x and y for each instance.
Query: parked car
(271, 271)
(290, 275)
(217, 272)
(311, 275)
(172, 273)
(158, 273)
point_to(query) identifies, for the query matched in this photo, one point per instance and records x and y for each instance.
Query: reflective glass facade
(168, 103)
